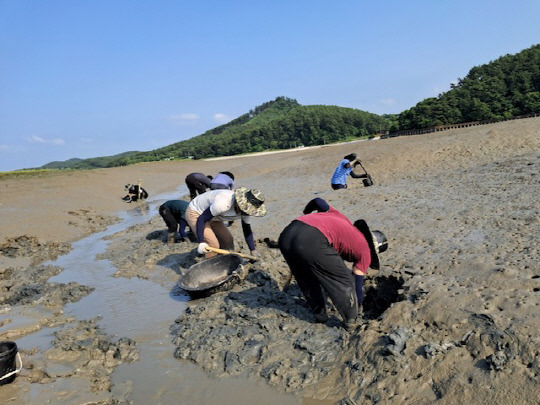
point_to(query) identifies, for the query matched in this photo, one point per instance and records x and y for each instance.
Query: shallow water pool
(143, 311)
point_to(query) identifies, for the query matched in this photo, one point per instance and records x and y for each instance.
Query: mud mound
(30, 286)
(81, 352)
(90, 221)
(49, 294)
(263, 328)
(30, 246)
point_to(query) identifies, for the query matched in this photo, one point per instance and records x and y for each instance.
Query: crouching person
(173, 213)
(207, 213)
(315, 247)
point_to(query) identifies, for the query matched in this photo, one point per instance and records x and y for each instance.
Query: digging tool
(368, 181)
(139, 190)
(228, 252)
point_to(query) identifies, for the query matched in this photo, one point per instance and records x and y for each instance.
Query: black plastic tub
(219, 273)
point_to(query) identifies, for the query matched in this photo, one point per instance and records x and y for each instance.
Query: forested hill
(91, 163)
(505, 88)
(279, 124)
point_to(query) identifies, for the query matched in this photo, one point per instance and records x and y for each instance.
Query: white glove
(202, 248)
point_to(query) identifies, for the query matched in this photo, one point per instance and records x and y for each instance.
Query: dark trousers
(195, 187)
(316, 266)
(168, 217)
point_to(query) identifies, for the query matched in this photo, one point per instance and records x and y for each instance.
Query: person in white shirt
(207, 213)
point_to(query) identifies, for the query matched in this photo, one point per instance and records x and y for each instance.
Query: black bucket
(368, 181)
(8, 352)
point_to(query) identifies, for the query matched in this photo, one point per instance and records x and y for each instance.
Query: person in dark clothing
(173, 213)
(315, 247)
(135, 193)
(197, 184)
(343, 169)
(222, 181)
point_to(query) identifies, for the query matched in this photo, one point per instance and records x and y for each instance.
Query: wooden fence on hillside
(453, 126)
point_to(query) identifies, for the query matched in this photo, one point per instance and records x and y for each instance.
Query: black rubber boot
(321, 317)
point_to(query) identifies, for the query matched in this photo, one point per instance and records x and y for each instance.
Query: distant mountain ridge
(505, 88)
(90, 163)
(278, 124)
(61, 164)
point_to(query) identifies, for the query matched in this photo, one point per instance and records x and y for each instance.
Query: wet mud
(452, 312)
(30, 246)
(451, 317)
(80, 351)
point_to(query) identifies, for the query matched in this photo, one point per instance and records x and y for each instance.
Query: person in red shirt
(315, 247)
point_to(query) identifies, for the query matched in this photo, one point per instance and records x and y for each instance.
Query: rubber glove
(202, 248)
(254, 254)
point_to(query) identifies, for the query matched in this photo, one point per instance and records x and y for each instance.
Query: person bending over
(222, 181)
(343, 170)
(316, 246)
(207, 213)
(173, 213)
(197, 184)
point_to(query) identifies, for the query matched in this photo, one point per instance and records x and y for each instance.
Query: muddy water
(143, 311)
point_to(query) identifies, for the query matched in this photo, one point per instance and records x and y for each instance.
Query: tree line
(505, 88)
(278, 124)
(502, 89)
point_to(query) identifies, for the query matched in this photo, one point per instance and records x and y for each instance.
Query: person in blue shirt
(173, 213)
(222, 181)
(344, 168)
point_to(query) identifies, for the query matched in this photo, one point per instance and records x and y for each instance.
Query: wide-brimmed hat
(250, 202)
(376, 240)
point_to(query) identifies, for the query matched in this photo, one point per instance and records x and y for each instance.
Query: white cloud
(36, 139)
(39, 139)
(184, 118)
(388, 101)
(221, 118)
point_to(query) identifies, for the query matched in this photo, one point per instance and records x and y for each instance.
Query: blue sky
(96, 78)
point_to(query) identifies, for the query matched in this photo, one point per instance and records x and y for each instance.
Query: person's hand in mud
(255, 254)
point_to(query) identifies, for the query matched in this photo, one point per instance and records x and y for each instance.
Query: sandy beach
(451, 317)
